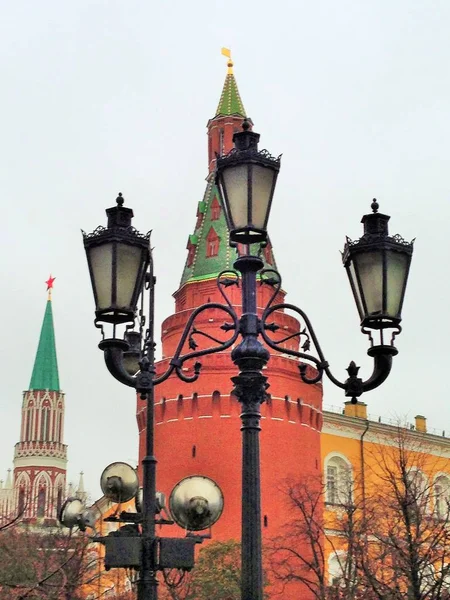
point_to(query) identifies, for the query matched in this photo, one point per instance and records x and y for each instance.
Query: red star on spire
(49, 282)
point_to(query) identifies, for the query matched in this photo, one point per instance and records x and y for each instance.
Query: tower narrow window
(221, 142)
(212, 243)
(216, 402)
(213, 247)
(41, 503)
(21, 502)
(191, 254)
(287, 406)
(215, 209)
(57, 419)
(45, 424)
(59, 501)
(29, 425)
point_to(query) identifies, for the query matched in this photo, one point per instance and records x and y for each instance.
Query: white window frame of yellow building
(344, 479)
(445, 493)
(336, 559)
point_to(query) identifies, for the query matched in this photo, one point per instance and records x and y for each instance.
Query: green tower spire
(45, 371)
(230, 102)
(208, 247)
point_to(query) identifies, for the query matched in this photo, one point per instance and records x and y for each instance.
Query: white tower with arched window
(40, 457)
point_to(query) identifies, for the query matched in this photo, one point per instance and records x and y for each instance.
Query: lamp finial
(120, 199)
(374, 206)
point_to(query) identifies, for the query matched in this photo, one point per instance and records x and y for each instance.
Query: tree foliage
(299, 554)
(46, 565)
(404, 547)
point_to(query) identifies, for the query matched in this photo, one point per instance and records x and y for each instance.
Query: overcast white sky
(106, 96)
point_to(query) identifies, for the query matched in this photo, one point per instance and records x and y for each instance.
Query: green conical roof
(45, 371)
(230, 102)
(211, 226)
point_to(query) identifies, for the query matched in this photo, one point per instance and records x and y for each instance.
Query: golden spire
(227, 52)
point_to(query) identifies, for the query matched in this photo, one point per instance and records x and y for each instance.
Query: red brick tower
(197, 425)
(40, 457)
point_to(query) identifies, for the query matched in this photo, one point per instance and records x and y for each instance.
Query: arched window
(442, 496)
(21, 502)
(215, 209)
(212, 243)
(59, 501)
(336, 569)
(221, 142)
(191, 254)
(29, 418)
(60, 427)
(416, 493)
(338, 480)
(41, 503)
(45, 424)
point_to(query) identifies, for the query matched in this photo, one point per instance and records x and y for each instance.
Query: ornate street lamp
(121, 269)
(246, 178)
(118, 257)
(377, 265)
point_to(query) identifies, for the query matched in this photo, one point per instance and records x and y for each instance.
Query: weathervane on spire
(227, 52)
(49, 283)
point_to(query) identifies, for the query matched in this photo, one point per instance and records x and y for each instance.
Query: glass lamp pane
(262, 183)
(100, 258)
(397, 265)
(128, 270)
(354, 283)
(370, 269)
(236, 186)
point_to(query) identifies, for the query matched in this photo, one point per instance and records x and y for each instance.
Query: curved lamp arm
(189, 331)
(353, 386)
(113, 350)
(308, 332)
(382, 357)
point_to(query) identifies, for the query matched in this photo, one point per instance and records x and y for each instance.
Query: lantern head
(118, 257)
(246, 179)
(377, 267)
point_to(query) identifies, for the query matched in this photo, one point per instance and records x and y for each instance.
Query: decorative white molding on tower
(38, 488)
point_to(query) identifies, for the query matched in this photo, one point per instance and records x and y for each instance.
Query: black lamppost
(121, 266)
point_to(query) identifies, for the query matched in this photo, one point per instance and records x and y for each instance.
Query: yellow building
(386, 501)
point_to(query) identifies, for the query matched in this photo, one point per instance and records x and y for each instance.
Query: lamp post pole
(250, 388)
(148, 583)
